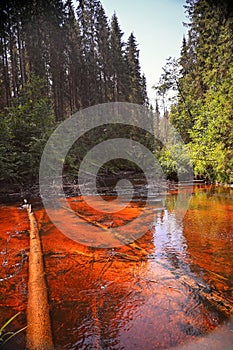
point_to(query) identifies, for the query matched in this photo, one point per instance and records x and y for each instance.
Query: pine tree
(119, 76)
(55, 18)
(136, 82)
(104, 55)
(86, 13)
(74, 60)
(145, 98)
(5, 92)
(77, 56)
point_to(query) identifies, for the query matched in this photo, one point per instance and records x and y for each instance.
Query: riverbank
(12, 193)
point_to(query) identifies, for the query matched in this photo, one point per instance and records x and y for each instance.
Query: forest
(58, 57)
(202, 111)
(142, 257)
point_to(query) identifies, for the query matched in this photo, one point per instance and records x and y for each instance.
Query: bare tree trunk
(39, 333)
(6, 72)
(21, 56)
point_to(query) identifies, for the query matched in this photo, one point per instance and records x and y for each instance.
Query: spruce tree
(86, 13)
(104, 55)
(74, 60)
(119, 76)
(136, 82)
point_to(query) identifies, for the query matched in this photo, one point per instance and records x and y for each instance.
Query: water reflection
(169, 288)
(151, 303)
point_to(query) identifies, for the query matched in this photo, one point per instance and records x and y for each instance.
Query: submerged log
(214, 297)
(198, 287)
(39, 333)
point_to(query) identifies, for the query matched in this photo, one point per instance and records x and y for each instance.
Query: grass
(6, 336)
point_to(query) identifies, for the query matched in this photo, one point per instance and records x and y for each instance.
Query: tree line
(57, 57)
(202, 77)
(77, 51)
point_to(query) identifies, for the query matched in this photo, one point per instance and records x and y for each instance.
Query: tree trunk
(39, 333)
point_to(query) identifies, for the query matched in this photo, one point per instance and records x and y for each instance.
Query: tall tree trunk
(6, 72)
(21, 56)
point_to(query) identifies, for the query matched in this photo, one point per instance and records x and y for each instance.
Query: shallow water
(170, 288)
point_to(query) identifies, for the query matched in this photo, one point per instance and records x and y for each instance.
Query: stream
(170, 289)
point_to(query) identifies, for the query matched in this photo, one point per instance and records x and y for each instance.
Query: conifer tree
(26, 132)
(78, 56)
(86, 13)
(119, 77)
(104, 55)
(135, 80)
(74, 60)
(145, 99)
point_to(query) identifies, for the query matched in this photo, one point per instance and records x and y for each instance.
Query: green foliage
(175, 162)
(26, 127)
(57, 57)
(103, 133)
(72, 45)
(136, 85)
(5, 168)
(202, 78)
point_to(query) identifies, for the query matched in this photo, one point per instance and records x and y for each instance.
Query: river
(171, 288)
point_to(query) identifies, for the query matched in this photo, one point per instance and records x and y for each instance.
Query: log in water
(172, 288)
(39, 334)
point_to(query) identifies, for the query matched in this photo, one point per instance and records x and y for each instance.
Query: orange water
(153, 294)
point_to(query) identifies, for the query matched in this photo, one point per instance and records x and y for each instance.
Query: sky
(157, 26)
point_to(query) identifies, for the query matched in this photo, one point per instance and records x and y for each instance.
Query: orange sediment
(39, 333)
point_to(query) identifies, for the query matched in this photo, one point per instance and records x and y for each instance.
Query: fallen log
(39, 332)
(108, 229)
(198, 287)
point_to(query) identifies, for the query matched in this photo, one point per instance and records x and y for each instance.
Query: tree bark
(39, 332)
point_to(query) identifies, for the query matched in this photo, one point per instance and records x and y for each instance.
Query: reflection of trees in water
(101, 299)
(208, 230)
(171, 202)
(200, 247)
(219, 193)
(169, 238)
(119, 290)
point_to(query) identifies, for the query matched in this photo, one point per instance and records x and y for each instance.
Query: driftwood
(121, 238)
(39, 333)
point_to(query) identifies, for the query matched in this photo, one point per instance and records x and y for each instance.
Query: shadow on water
(170, 288)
